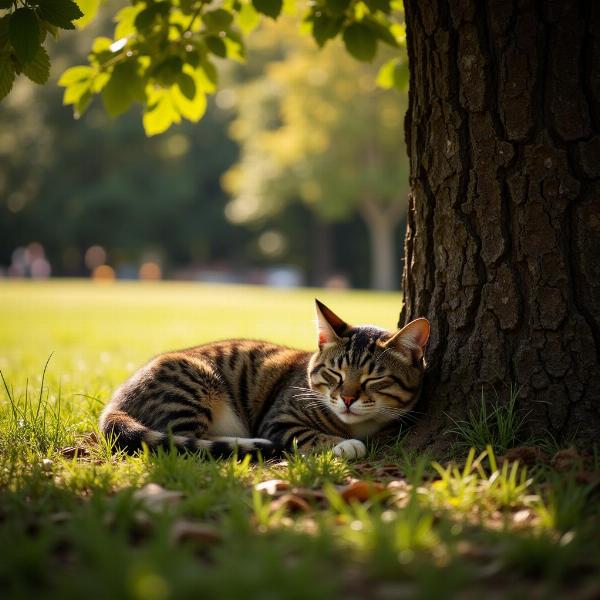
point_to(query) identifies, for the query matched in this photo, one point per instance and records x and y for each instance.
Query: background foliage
(162, 53)
(101, 182)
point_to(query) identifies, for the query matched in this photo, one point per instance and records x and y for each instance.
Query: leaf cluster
(163, 53)
(24, 27)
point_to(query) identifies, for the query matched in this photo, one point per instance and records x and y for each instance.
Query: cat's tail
(129, 435)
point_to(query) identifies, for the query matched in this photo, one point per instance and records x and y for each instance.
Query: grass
(395, 524)
(499, 423)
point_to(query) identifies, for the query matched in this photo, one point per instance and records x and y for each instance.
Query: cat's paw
(350, 449)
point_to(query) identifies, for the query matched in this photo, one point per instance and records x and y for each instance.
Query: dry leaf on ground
(272, 486)
(361, 490)
(154, 497)
(71, 452)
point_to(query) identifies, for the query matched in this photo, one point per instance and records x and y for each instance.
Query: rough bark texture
(503, 237)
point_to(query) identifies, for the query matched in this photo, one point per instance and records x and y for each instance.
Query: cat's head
(366, 373)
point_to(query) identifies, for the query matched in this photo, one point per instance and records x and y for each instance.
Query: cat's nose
(348, 400)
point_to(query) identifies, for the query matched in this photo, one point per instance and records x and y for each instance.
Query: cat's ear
(413, 337)
(331, 327)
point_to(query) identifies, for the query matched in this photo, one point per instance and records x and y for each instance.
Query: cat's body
(254, 395)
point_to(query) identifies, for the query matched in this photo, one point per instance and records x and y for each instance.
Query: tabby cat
(261, 397)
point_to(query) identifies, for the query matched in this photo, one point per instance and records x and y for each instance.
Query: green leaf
(186, 6)
(48, 28)
(76, 75)
(160, 113)
(38, 69)
(7, 75)
(216, 45)
(360, 41)
(24, 33)
(248, 19)
(101, 44)
(166, 72)
(393, 74)
(381, 31)
(89, 8)
(271, 8)
(4, 31)
(121, 90)
(187, 85)
(207, 77)
(125, 18)
(401, 76)
(325, 28)
(382, 5)
(192, 109)
(59, 12)
(337, 7)
(82, 104)
(145, 19)
(77, 82)
(217, 20)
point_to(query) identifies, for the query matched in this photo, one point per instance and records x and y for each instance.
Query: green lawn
(390, 526)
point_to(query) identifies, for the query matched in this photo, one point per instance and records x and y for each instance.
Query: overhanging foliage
(163, 54)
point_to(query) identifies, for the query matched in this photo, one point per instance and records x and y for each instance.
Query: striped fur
(259, 397)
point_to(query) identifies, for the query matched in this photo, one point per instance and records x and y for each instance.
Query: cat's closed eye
(332, 377)
(376, 382)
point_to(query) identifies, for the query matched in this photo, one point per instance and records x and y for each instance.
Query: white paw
(350, 449)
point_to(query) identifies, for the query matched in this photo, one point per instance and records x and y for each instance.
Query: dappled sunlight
(395, 522)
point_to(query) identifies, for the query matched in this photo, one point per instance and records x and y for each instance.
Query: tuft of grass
(499, 425)
(79, 528)
(34, 423)
(474, 487)
(314, 470)
(563, 503)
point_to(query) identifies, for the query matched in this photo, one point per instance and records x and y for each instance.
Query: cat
(256, 397)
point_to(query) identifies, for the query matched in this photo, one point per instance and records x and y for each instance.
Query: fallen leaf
(190, 531)
(398, 485)
(291, 503)
(90, 438)
(72, 452)
(523, 517)
(361, 490)
(154, 497)
(272, 486)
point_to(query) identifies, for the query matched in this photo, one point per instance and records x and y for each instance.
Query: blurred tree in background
(104, 183)
(314, 127)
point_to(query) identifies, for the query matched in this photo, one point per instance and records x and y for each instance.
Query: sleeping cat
(256, 396)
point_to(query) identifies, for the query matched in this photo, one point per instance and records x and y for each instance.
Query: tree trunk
(381, 223)
(503, 235)
(322, 252)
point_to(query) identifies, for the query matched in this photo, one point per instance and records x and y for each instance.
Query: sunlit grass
(77, 527)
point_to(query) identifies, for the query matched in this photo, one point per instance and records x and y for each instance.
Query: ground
(78, 522)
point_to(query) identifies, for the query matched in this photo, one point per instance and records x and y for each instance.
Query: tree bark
(381, 223)
(503, 235)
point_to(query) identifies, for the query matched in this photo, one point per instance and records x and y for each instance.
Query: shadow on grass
(83, 528)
